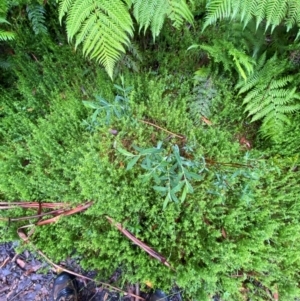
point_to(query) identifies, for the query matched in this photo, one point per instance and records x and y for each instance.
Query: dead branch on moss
(165, 130)
(138, 242)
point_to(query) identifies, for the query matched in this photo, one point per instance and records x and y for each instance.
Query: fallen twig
(153, 124)
(138, 242)
(137, 290)
(57, 267)
(60, 268)
(11, 205)
(4, 262)
(58, 212)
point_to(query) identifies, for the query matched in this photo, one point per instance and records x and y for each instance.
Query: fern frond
(64, 7)
(6, 35)
(152, 13)
(103, 28)
(270, 96)
(178, 12)
(201, 99)
(231, 57)
(217, 9)
(293, 15)
(272, 11)
(275, 13)
(36, 14)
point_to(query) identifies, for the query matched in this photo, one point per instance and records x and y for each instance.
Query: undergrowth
(170, 167)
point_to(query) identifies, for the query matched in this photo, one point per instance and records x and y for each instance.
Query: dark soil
(25, 277)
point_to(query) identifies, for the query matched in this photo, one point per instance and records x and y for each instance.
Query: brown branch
(153, 124)
(60, 268)
(138, 242)
(57, 212)
(11, 205)
(25, 238)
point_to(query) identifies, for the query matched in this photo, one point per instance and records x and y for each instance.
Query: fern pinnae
(275, 11)
(293, 14)
(247, 11)
(117, 14)
(179, 11)
(64, 7)
(143, 11)
(159, 15)
(79, 12)
(85, 29)
(281, 82)
(36, 15)
(217, 9)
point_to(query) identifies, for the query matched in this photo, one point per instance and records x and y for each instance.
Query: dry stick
(57, 212)
(137, 290)
(29, 217)
(4, 262)
(138, 242)
(11, 205)
(24, 237)
(58, 267)
(153, 124)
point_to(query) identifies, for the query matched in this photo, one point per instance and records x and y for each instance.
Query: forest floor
(27, 277)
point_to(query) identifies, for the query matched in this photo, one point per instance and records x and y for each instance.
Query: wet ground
(26, 277)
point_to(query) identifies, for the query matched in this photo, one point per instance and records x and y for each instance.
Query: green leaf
(193, 47)
(178, 187)
(160, 188)
(195, 176)
(183, 195)
(190, 188)
(152, 150)
(90, 104)
(174, 197)
(132, 162)
(166, 201)
(95, 114)
(125, 152)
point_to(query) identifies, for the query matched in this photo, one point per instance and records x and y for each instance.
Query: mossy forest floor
(26, 277)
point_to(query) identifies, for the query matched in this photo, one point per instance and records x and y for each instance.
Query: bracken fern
(152, 13)
(104, 27)
(36, 15)
(4, 34)
(270, 95)
(273, 12)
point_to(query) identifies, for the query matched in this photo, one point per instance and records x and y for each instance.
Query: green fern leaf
(64, 7)
(178, 12)
(6, 35)
(217, 9)
(293, 14)
(103, 28)
(36, 14)
(270, 96)
(272, 11)
(201, 99)
(276, 11)
(152, 13)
